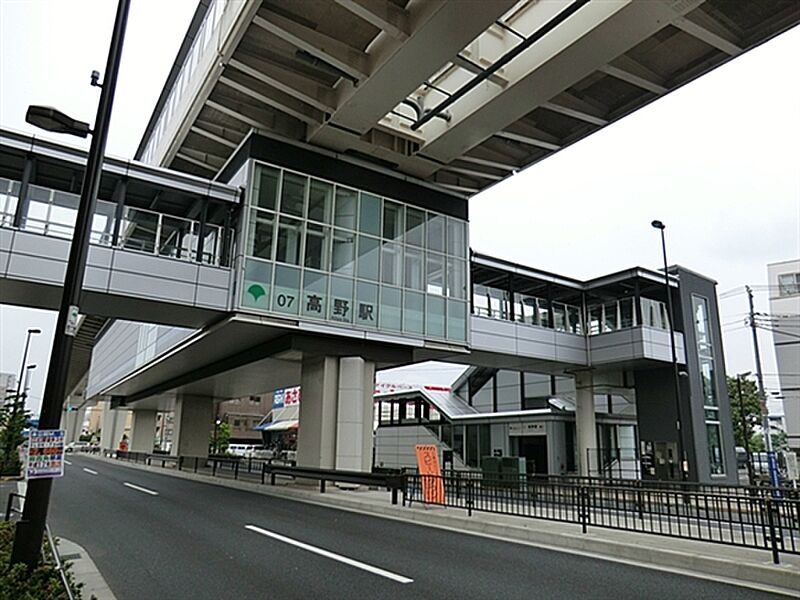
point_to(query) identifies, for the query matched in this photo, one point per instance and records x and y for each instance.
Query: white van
(245, 450)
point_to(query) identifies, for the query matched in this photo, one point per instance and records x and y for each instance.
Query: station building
(297, 214)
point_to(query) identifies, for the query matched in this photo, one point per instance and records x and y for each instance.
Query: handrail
(59, 564)
(392, 482)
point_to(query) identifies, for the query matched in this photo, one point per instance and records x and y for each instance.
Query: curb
(781, 579)
(85, 572)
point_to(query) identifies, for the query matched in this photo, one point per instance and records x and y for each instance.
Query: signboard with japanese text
(286, 397)
(45, 454)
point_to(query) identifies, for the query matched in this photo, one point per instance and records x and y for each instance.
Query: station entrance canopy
(459, 93)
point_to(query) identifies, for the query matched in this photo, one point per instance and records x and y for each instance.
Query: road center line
(140, 489)
(90, 471)
(66, 462)
(331, 555)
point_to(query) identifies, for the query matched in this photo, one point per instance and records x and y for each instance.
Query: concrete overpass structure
(341, 143)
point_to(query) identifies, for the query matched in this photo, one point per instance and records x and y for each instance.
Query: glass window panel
(289, 239)
(266, 187)
(287, 290)
(102, 222)
(708, 382)
(391, 263)
(434, 316)
(391, 308)
(370, 214)
(175, 237)
(211, 244)
(626, 315)
(595, 317)
(341, 300)
(574, 318)
(457, 320)
(559, 316)
(413, 312)
(320, 201)
(415, 227)
(293, 194)
(343, 252)
(414, 272)
(315, 294)
(610, 317)
(715, 460)
(257, 284)
(366, 304)
(392, 220)
(456, 278)
(456, 237)
(138, 231)
(525, 309)
(261, 232)
(346, 205)
(435, 231)
(434, 274)
(701, 324)
(543, 313)
(317, 246)
(368, 257)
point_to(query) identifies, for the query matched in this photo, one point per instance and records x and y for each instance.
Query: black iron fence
(760, 520)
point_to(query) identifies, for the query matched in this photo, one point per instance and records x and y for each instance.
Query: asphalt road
(162, 538)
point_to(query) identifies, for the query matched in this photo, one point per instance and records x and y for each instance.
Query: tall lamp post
(30, 529)
(684, 463)
(31, 331)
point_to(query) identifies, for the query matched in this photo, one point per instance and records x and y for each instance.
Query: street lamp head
(52, 119)
(34, 331)
(745, 375)
(658, 225)
(218, 422)
(31, 367)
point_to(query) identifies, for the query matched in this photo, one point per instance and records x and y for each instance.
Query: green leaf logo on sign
(256, 291)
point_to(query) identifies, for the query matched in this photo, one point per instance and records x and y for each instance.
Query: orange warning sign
(431, 474)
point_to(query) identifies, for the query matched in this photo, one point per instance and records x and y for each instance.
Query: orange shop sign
(431, 474)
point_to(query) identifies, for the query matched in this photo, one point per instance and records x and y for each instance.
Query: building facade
(783, 321)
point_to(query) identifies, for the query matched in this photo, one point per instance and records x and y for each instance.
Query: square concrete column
(72, 423)
(354, 416)
(143, 431)
(193, 423)
(112, 426)
(316, 438)
(585, 427)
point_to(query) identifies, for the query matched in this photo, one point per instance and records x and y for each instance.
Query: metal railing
(758, 520)
(10, 509)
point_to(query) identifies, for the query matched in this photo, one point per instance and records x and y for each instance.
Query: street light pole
(30, 529)
(31, 331)
(684, 463)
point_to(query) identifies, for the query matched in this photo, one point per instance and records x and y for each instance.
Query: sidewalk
(740, 566)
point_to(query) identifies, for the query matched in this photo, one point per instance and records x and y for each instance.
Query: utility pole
(750, 474)
(762, 398)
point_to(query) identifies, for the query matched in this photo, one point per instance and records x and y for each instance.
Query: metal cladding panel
(41, 246)
(6, 239)
(149, 286)
(210, 297)
(47, 270)
(5, 257)
(96, 278)
(214, 277)
(155, 266)
(100, 257)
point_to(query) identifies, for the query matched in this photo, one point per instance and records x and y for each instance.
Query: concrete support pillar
(336, 413)
(72, 423)
(194, 421)
(354, 414)
(586, 429)
(316, 438)
(112, 426)
(143, 431)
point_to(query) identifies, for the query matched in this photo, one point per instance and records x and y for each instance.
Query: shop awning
(278, 426)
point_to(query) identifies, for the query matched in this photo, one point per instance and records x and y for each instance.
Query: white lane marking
(140, 489)
(66, 462)
(90, 471)
(331, 555)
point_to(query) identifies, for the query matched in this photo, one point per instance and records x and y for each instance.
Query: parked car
(78, 447)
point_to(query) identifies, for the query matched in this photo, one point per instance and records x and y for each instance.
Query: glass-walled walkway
(53, 212)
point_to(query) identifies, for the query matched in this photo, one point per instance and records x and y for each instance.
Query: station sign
(45, 454)
(526, 429)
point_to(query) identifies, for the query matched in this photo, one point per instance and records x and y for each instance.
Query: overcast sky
(717, 161)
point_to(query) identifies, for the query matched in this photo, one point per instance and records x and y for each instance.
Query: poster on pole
(431, 474)
(45, 454)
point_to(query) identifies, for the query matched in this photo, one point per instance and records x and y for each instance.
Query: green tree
(746, 411)
(12, 422)
(220, 438)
